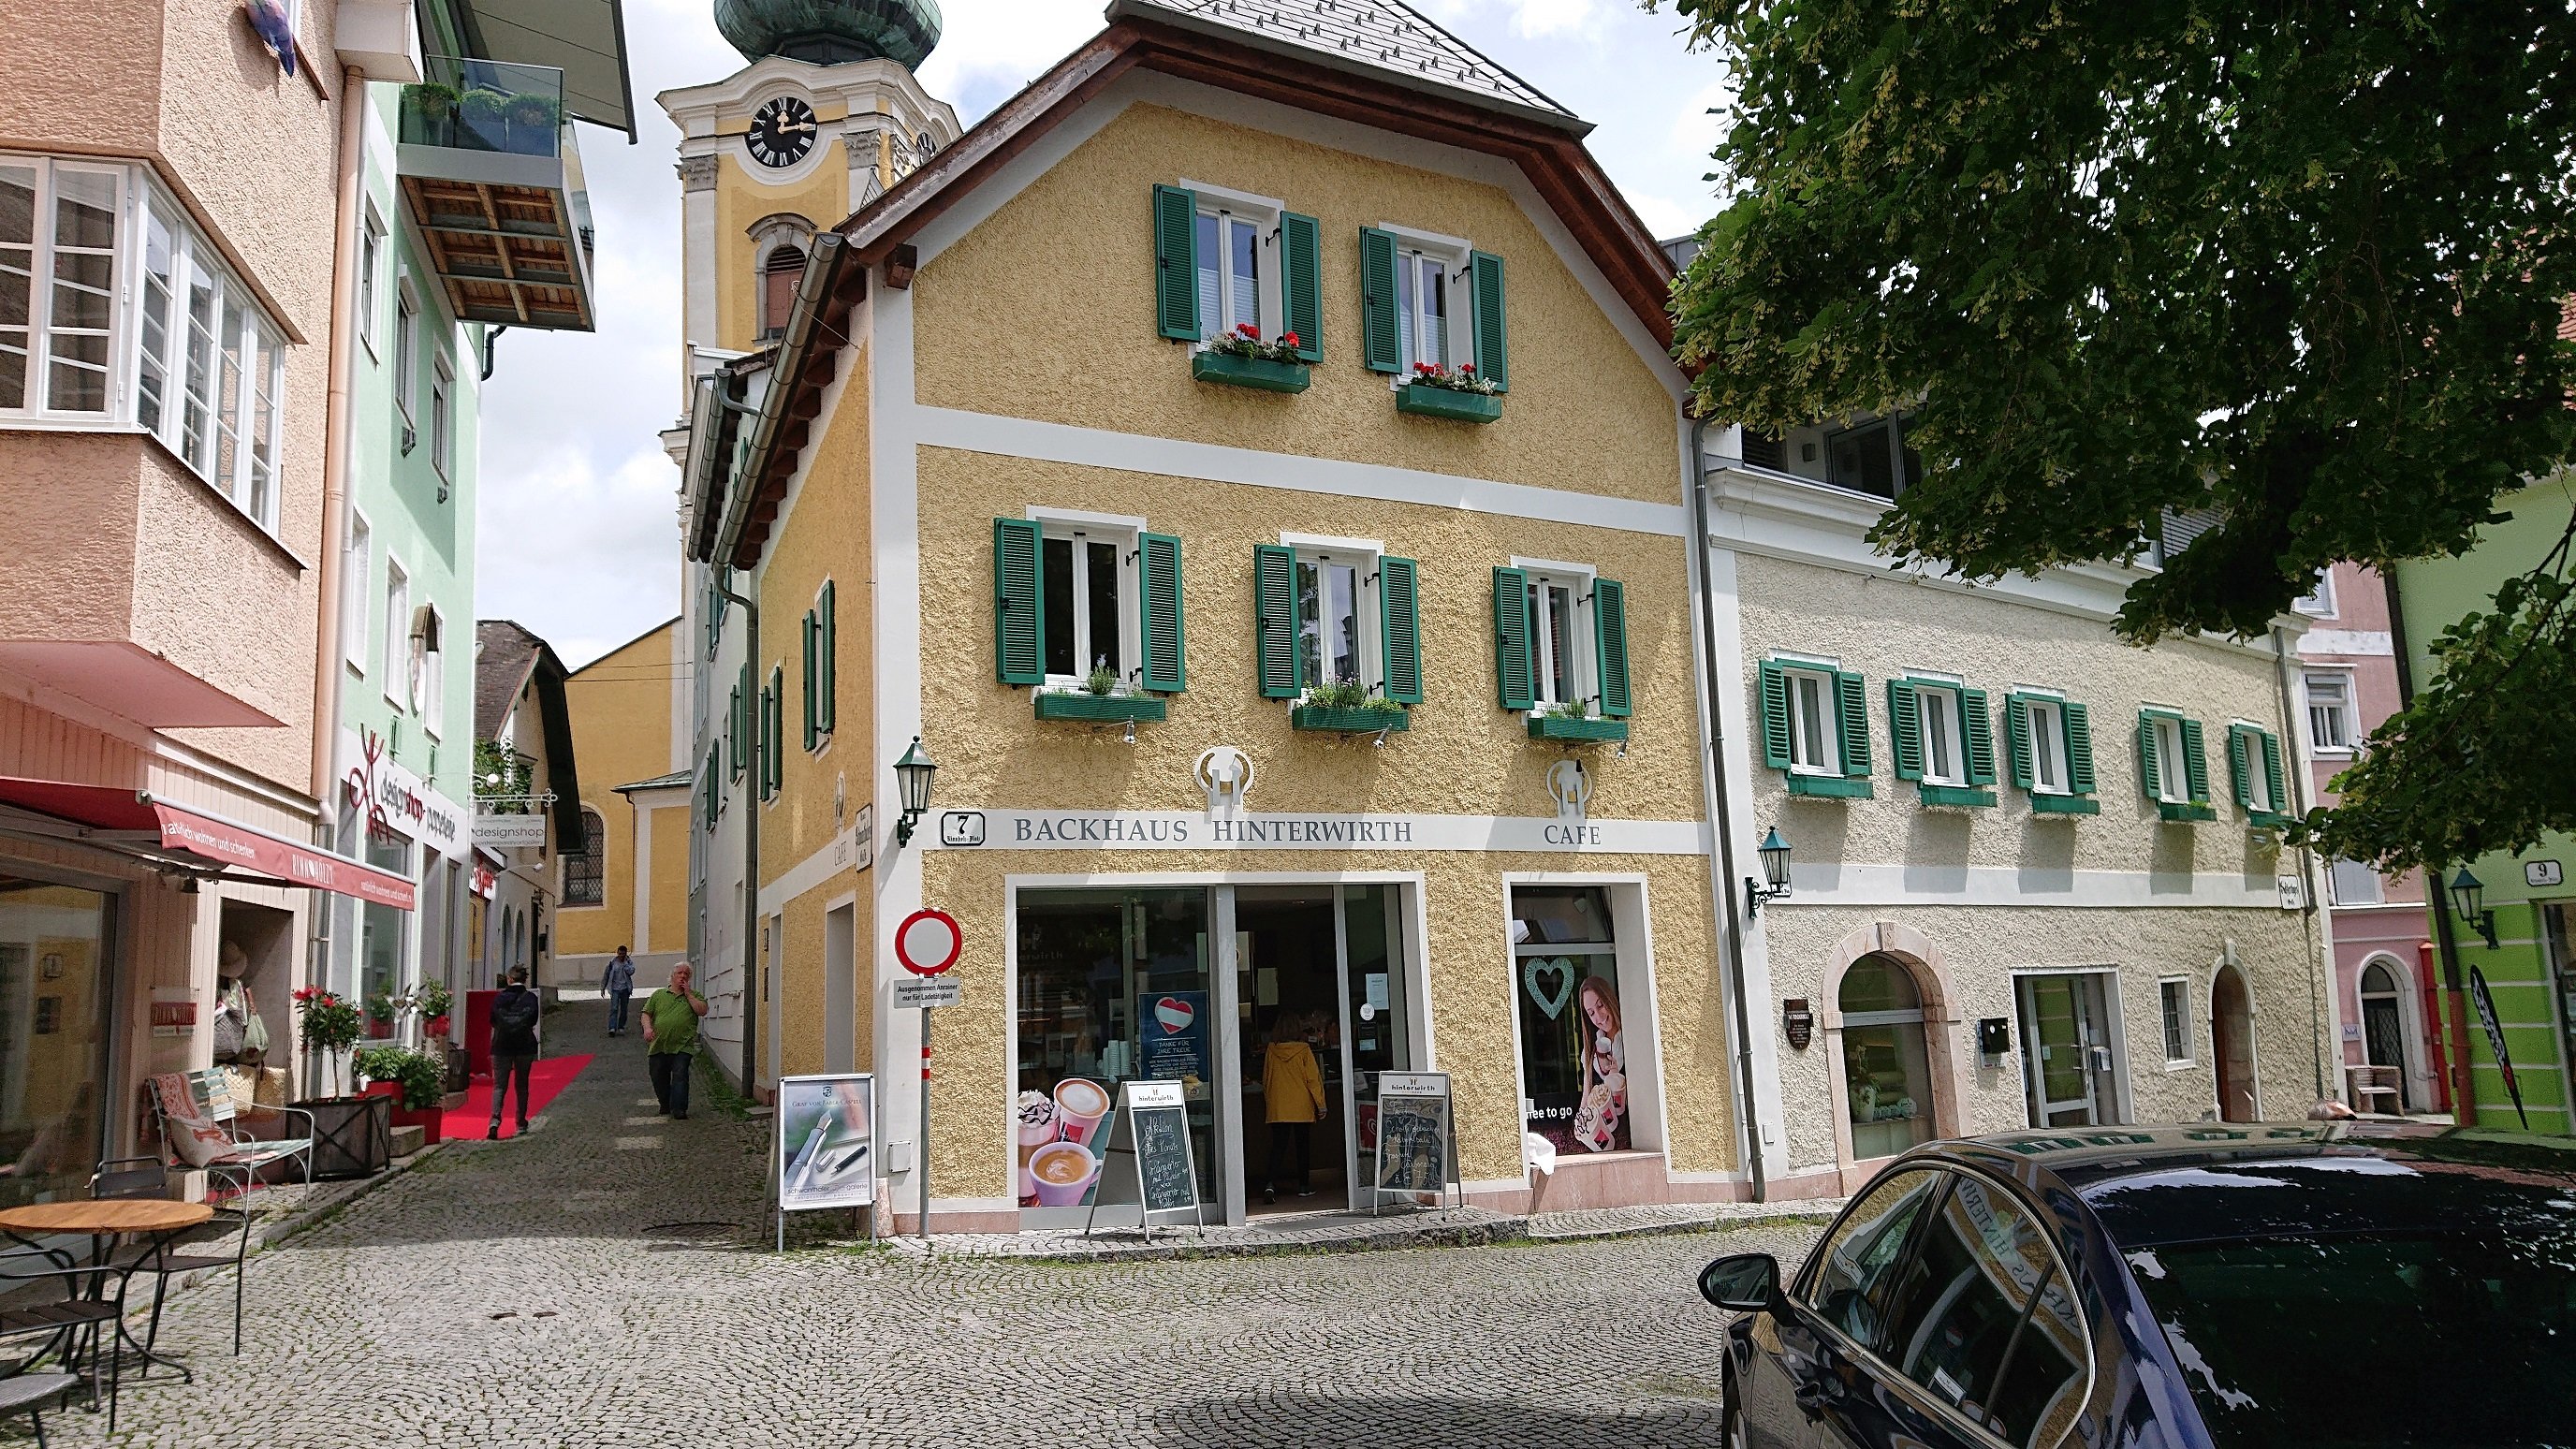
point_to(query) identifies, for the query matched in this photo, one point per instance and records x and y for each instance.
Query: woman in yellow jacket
(1292, 1087)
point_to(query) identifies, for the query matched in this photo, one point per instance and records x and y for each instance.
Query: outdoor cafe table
(104, 1220)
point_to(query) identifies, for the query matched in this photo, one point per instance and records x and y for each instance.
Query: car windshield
(2307, 1341)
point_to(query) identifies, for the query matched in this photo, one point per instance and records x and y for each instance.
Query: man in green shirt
(671, 1040)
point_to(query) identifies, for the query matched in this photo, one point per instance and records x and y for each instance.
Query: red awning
(135, 822)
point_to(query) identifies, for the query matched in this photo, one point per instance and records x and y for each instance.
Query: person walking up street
(516, 1013)
(619, 982)
(671, 1041)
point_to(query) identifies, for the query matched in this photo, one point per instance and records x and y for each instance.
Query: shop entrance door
(2068, 1071)
(1320, 992)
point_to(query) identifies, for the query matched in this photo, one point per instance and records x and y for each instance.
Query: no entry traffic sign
(927, 942)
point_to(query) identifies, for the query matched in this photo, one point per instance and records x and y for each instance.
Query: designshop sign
(1164, 830)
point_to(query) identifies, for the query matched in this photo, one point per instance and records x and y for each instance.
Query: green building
(2530, 969)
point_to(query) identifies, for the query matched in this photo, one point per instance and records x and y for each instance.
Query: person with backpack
(515, 1014)
(619, 982)
(671, 1041)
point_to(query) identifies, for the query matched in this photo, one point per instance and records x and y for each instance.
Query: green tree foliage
(2297, 264)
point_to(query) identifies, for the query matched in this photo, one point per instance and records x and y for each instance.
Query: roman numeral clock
(782, 132)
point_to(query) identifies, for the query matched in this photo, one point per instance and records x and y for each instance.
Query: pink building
(2348, 662)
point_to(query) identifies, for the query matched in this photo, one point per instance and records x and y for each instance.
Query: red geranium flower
(1288, 338)
(1466, 367)
(1246, 329)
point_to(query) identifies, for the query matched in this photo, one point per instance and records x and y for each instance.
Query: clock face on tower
(782, 132)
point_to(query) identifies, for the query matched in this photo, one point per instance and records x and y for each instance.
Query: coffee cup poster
(1063, 1138)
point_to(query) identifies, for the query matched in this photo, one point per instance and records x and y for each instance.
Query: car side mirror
(1746, 1282)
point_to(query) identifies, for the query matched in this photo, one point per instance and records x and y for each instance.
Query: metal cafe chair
(85, 1310)
(149, 1177)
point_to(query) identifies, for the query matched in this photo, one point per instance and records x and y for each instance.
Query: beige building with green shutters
(1256, 477)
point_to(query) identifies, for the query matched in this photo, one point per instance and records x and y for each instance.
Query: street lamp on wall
(2468, 897)
(1775, 873)
(912, 776)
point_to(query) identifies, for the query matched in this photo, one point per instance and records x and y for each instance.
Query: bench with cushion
(200, 1127)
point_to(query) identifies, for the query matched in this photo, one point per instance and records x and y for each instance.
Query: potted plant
(1348, 707)
(1099, 699)
(416, 1081)
(1241, 359)
(485, 116)
(381, 1008)
(352, 1136)
(1457, 393)
(433, 1001)
(535, 124)
(429, 114)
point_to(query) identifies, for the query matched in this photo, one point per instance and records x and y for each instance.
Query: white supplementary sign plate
(928, 991)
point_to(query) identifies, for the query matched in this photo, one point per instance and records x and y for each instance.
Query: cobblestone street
(604, 1283)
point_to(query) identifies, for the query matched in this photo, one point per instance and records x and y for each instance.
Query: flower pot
(428, 1119)
(1448, 402)
(1577, 731)
(352, 1136)
(436, 1027)
(1099, 708)
(1255, 372)
(1330, 720)
(379, 1030)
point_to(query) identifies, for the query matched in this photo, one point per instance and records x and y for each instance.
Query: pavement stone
(606, 1282)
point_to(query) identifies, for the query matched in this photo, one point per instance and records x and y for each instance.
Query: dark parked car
(2225, 1286)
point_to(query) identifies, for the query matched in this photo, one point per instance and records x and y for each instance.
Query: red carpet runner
(545, 1081)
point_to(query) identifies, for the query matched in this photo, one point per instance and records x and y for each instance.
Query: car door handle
(1815, 1395)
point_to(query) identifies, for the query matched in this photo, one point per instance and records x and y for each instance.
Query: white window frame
(2173, 773)
(442, 418)
(2318, 602)
(2337, 895)
(1126, 535)
(124, 268)
(1361, 556)
(2258, 776)
(1801, 675)
(357, 584)
(2174, 1025)
(406, 344)
(2349, 717)
(1263, 214)
(1458, 329)
(1576, 579)
(2046, 712)
(371, 260)
(397, 655)
(430, 700)
(1937, 705)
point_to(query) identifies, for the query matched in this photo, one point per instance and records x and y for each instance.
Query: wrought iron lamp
(2468, 897)
(1775, 871)
(912, 775)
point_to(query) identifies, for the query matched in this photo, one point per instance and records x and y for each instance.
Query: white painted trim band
(1989, 885)
(1104, 831)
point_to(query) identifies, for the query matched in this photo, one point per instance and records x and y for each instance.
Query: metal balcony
(493, 178)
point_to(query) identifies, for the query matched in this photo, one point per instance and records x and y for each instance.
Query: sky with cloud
(579, 534)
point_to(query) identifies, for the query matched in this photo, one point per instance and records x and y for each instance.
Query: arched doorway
(2231, 1036)
(2385, 1042)
(1886, 1064)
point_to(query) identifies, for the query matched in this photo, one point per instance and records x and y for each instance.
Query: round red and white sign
(927, 942)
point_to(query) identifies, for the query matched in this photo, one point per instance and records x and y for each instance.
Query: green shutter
(1977, 726)
(2150, 775)
(2017, 743)
(809, 628)
(1176, 263)
(1274, 619)
(1851, 713)
(734, 742)
(1166, 669)
(2240, 764)
(1904, 730)
(1773, 687)
(2079, 748)
(773, 752)
(1019, 617)
(742, 720)
(1400, 628)
(1514, 688)
(2272, 774)
(1380, 347)
(762, 751)
(827, 663)
(1610, 635)
(1493, 351)
(1301, 283)
(2195, 760)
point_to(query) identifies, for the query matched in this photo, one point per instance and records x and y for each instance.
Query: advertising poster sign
(1061, 1137)
(1415, 1155)
(826, 1142)
(1176, 1037)
(2495, 1039)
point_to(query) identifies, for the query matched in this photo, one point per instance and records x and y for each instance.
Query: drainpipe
(2464, 1099)
(751, 806)
(1729, 904)
(2319, 1008)
(336, 463)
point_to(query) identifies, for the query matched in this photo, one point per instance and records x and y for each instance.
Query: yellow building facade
(629, 886)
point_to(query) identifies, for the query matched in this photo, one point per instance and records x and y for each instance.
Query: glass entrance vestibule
(1276, 1005)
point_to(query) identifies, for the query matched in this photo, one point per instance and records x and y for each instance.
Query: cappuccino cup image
(1080, 1103)
(1063, 1174)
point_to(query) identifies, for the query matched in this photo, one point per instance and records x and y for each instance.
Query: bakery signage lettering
(1110, 830)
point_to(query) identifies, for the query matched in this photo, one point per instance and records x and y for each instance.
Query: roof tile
(1384, 34)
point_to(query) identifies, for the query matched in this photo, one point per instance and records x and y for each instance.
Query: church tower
(823, 119)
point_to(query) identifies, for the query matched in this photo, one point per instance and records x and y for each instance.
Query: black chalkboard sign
(1163, 1158)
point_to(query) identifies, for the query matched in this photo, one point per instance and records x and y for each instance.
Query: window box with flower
(1575, 724)
(1457, 393)
(1241, 359)
(1102, 698)
(1348, 708)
